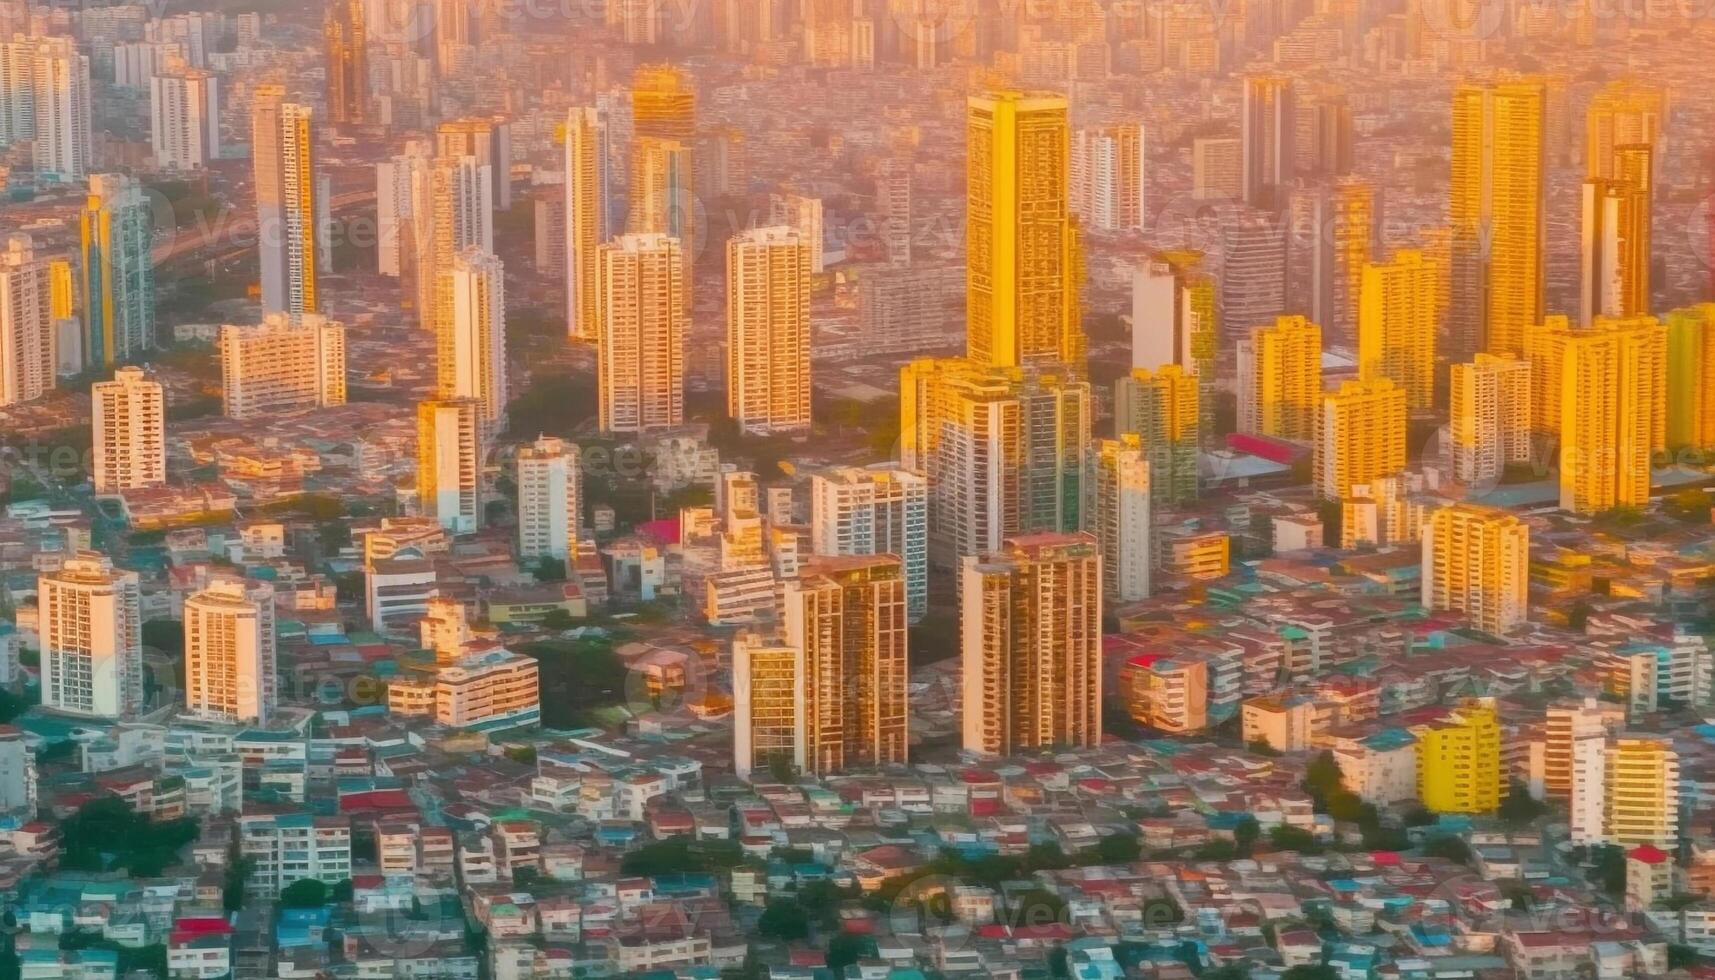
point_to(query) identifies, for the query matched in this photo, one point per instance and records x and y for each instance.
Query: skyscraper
(456, 216)
(664, 104)
(282, 365)
(550, 500)
(1174, 317)
(489, 140)
(1396, 326)
(1489, 418)
(1641, 798)
(17, 89)
(451, 454)
(1268, 134)
(61, 109)
(641, 362)
(1615, 244)
(1024, 263)
(893, 182)
(1120, 517)
(768, 331)
(27, 362)
(1691, 377)
(1623, 112)
(802, 214)
(128, 415)
(1004, 451)
(1280, 379)
(1496, 208)
(1253, 270)
(90, 619)
(345, 39)
(400, 184)
(875, 511)
(118, 270)
(288, 219)
(769, 724)
(848, 617)
(1361, 436)
(1476, 561)
(1108, 177)
(184, 117)
(1603, 392)
(1161, 408)
(1345, 223)
(471, 339)
(587, 161)
(661, 199)
(230, 653)
(1031, 634)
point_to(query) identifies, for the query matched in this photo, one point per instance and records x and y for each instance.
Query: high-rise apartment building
(1161, 408)
(27, 342)
(803, 214)
(769, 723)
(1268, 133)
(61, 109)
(550, 500)
(282, 365)
(1253, 269)
(128, 415)
(489, 140)
(1031, 638)
(471, 339)
(875, 511)
(1641, 798)
(451, 453)
(1345, 225)
(664, 104)
(661, 199)
(118, 270)
(641, 362)
(345, 41)
(1217, 169)
(1280, 379)
(1564, 725)
(1691, 377)
(1497, 216)
(1024, 262)
(1601, 392)
(17, 88)
(1120, 516)
(90, 620)
(768, 331)
(1614, 254)
(184, 117)
(1396, 326)
(1004, 451)
(587, 208)
(1360, 437)
(1459, 760)
(848, 617)
(1108, 177)
(1489, 423)
(893, 181)
(230, 653)
(288, 215)
(1174, 315)
(401, 182)
(455, 216)
(1623, 112)
(1476, 561)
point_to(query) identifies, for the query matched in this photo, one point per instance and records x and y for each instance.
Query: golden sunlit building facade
(1497, 216)
(1691, 377)
(1280, 379)
(1360, 436)
(282, 143)
(768, 331)
(1476, 561)
(1489, 423)
(1161, 408)
(1396, 326)
(1459, 760)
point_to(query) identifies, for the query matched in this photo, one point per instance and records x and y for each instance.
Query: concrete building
(641, 362)
(768, 330)
(1476, 561)
(550, 500)
(230, 653)
(876, 511)
(451, 453)
(90, 622)
(129, 417)
(282, 365)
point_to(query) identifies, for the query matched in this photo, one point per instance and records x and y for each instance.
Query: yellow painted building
(1459, 760)
(1623, 112)
(1396, 326)
(1280, 379)
(1360, 437)
(1476, 561)
(1488, 417)
(1162, 408)
(1641, 802)
(1023, 259)
(1601, 393)
(1496, 210)
(1691, 377)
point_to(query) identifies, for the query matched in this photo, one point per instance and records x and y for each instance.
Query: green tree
(1449, 847)
(1318, 972)
(1118, 849)
(550, 569)
(1284, 837)
(107, 834)
(306, 893)
(1322, 779)
(784, 920)
(1520, 809)
(1230, 971)
(846, 948)
(1245, 835)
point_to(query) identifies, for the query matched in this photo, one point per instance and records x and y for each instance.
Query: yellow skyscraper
(1396, 326)
(1360, 437)
(1476, 561)
(1615, 238)
(1023, 261)
(289, 237)
(1459, 760)
(1280, 379)
(586, 161)
(640, 363)
(1161, 408)
(1602, 393)
(1691, 378)
(1623, 112)
(663, 104)
(768, 331)
(1496, 210)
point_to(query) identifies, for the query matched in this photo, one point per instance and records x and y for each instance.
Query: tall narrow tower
(282, 142)
(1496, 209)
